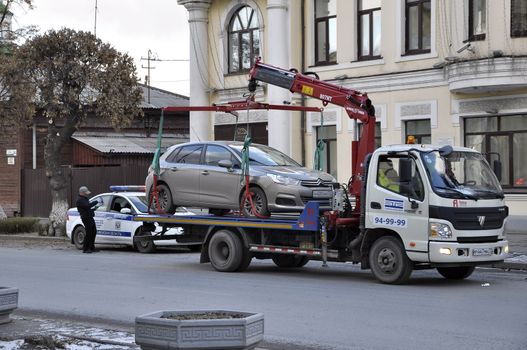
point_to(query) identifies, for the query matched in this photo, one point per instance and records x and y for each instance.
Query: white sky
(131, 26)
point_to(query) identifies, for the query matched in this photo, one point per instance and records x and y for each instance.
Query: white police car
(114, 220)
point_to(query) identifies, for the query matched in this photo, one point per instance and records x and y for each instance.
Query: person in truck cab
(387, 176)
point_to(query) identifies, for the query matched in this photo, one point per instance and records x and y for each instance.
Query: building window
(477, 19)
(420, 130)
(244, 40)
(418, 26)
(378, 140)
(328, 161)
(325, 32)
(369, 29)
(518, 18)
(502, 138)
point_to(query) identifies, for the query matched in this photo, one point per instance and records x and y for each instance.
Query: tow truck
(406, 207)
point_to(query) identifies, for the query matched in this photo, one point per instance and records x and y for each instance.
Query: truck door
(396, 205)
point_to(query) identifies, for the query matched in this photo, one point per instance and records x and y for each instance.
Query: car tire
(456, 273)
(166, 203)
(79, 234)
(389, 262)
(289, 261)
(226, 251)
(259, 201)
(145, 247)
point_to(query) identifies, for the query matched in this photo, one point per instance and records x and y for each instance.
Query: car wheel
(289, 261)
(79, 234)
(144, 246)
(226, 251)
(388, 261)
(259, 202)
(166, 204)
(456, 273)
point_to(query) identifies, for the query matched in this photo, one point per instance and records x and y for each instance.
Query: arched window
(244, 39)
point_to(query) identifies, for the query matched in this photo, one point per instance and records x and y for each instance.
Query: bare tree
(69, 75)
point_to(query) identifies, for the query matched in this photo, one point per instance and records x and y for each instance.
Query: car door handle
(205, 172)
(173, 169)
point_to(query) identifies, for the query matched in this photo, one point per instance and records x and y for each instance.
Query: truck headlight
(284, 180)
(439, 231)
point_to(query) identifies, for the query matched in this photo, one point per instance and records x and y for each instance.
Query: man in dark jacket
(86, 210)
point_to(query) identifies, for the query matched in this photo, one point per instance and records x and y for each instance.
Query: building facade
(445, 71)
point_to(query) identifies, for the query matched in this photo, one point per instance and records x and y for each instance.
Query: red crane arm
(357, 105)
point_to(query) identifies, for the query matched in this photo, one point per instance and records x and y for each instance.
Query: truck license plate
(322, 194)
(482, 251)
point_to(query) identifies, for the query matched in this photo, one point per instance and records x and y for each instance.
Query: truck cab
(444, 204)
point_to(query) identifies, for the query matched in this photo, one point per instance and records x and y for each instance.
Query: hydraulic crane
(357, 105)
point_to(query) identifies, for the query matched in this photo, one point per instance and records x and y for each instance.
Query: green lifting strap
(245, 157)
(318, 162)
(157, 153)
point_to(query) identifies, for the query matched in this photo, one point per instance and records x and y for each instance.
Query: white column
(279, 122)
(199, 63)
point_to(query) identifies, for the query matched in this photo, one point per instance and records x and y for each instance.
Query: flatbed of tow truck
(201, 226)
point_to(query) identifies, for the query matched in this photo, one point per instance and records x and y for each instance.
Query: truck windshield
(464, 175)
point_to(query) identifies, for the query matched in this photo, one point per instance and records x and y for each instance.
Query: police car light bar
(127, 188)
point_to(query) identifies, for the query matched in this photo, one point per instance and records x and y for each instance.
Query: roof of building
(127, 144)
(161, 98)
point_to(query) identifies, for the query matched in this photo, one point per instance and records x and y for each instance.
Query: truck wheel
(456, 273)
(79, 234)
(388, 261)
(226, 251)
(144, 246)
(289, 261)
(166, 204)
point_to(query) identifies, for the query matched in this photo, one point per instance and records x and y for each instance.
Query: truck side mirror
(405, 170)
(496, 166)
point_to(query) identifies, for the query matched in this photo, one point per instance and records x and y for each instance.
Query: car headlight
(439, 231)
(284, 180)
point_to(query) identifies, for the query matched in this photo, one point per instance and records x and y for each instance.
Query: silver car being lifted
(208, 175)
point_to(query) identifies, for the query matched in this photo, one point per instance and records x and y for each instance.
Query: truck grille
(471, 218)
(484, 239)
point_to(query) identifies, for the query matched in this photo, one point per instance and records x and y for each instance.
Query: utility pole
(148, 68)
(95, 25)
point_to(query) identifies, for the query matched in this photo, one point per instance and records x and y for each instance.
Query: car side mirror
(126, 211)
(496, 166)
(225, 163)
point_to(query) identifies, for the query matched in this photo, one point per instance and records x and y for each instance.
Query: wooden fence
(36, 195)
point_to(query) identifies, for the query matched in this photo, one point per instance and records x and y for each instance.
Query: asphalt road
(339, 307)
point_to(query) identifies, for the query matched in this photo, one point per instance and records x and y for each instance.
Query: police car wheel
(79, 234)
(144, 246)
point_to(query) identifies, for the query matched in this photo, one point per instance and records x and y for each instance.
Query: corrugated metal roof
(162, 98)
(137, 145)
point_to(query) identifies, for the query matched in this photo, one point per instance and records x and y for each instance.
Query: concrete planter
(163, 330)
(8, 303)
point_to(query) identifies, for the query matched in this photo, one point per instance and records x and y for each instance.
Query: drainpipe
(302, 69)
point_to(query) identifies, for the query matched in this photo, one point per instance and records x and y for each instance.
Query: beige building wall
(444, 86)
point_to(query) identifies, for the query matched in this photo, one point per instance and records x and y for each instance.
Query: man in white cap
(86, 210)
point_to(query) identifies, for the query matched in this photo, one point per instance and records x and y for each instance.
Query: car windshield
(263, 155)
(462, 175)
